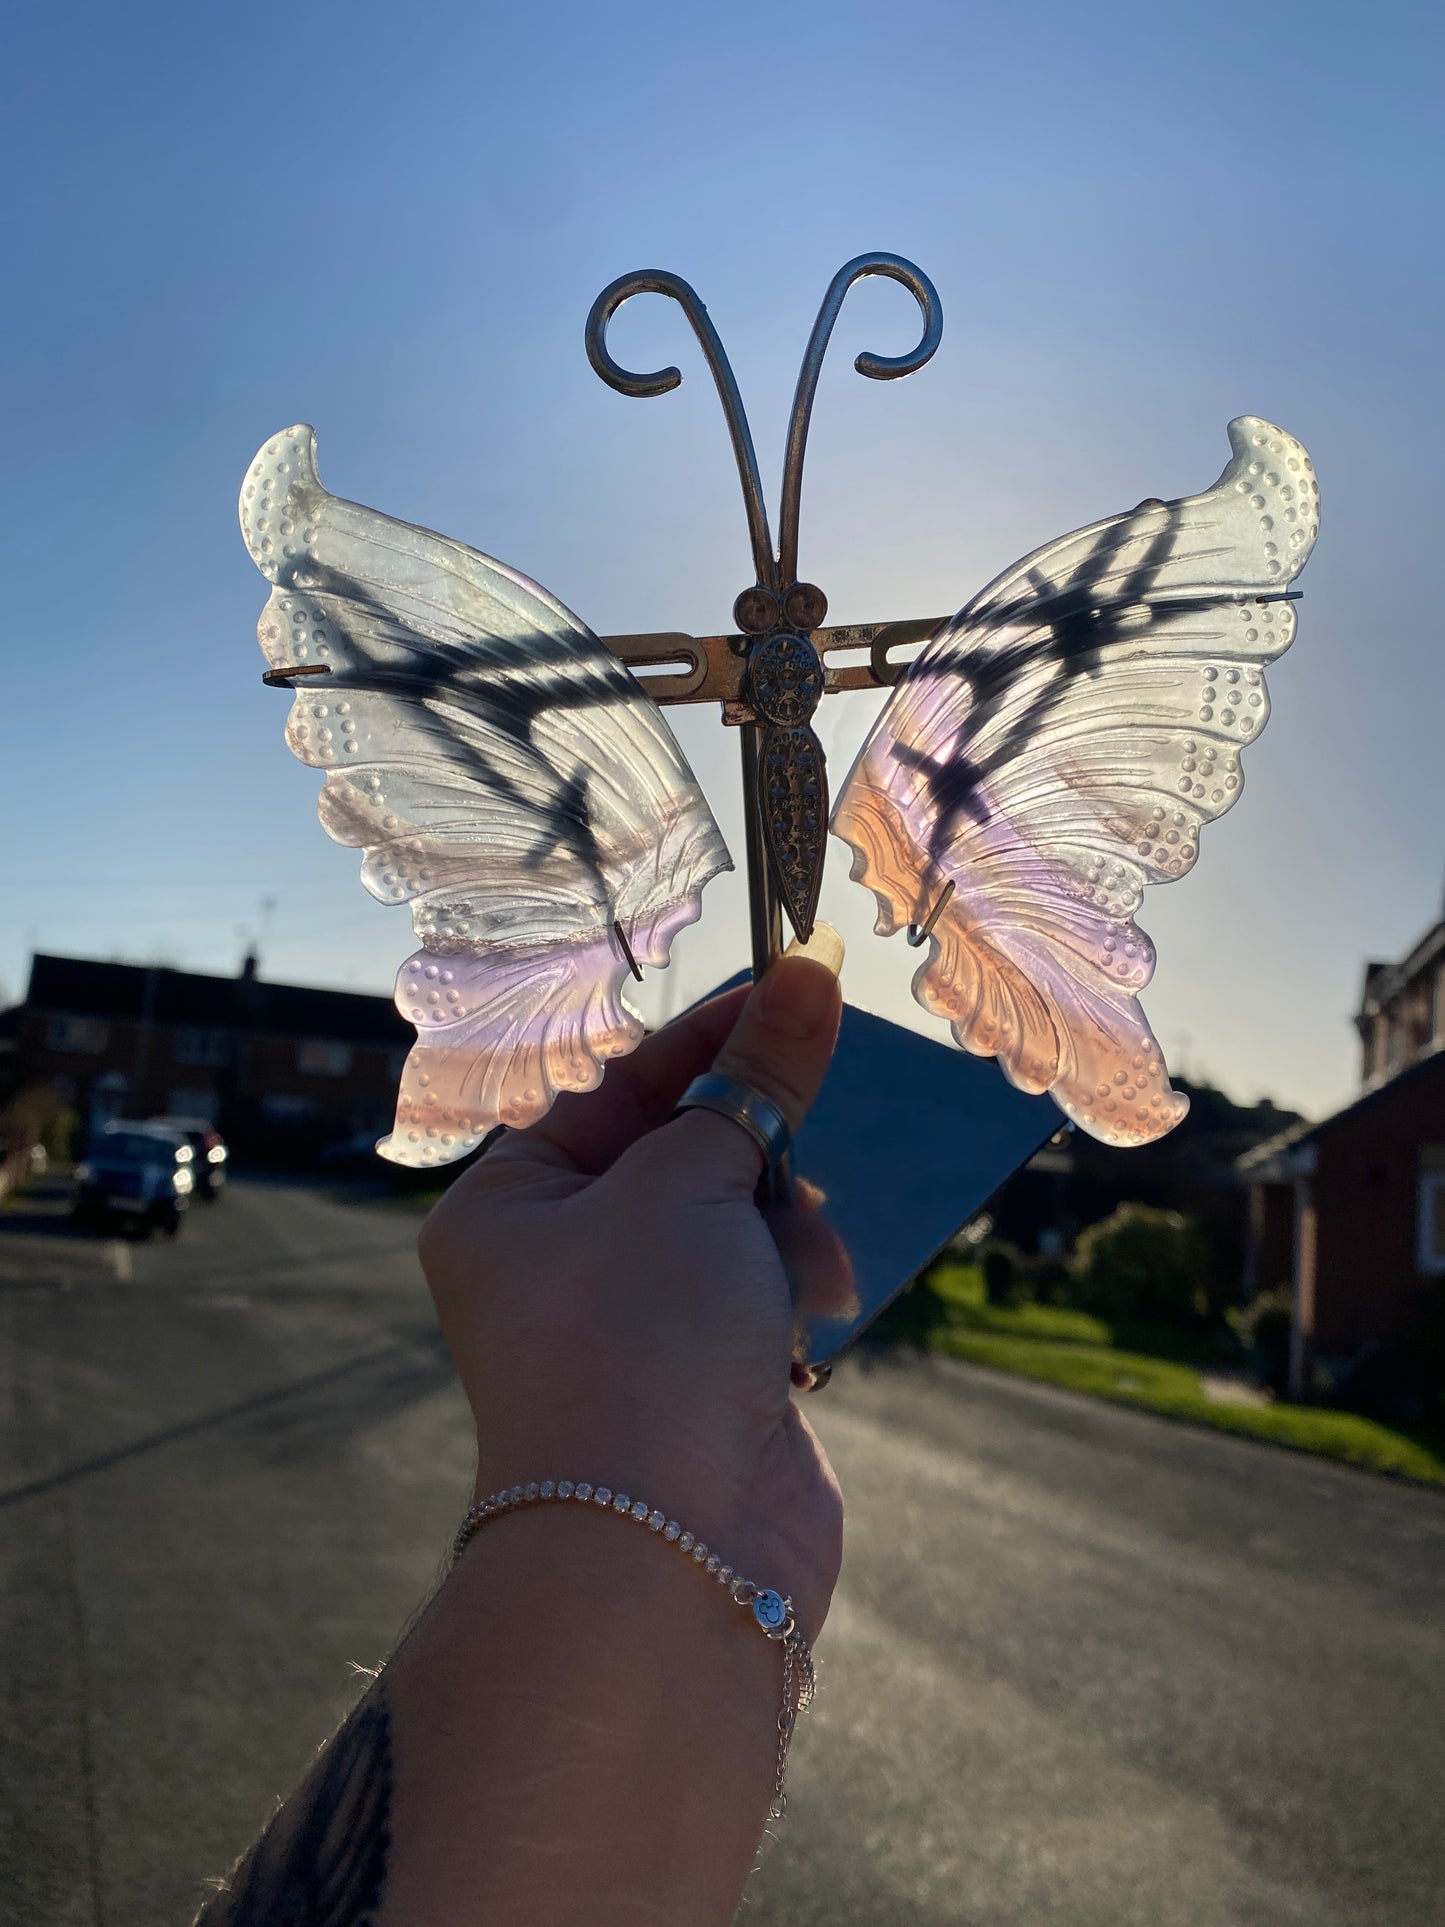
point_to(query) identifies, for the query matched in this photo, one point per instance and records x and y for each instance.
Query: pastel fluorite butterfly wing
(502, 772)
(1060, 744)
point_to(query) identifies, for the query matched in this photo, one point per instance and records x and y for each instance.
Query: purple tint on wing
(1023, 963)
(499, 1035)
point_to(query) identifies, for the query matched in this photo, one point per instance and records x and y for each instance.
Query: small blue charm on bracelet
(770, 1609)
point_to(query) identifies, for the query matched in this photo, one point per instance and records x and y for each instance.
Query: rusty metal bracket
(677, 668)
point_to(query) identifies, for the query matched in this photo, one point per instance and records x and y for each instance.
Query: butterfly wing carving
(503, 774)
(1060, 744)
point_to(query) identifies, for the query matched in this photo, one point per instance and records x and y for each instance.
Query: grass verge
(1076, 1351)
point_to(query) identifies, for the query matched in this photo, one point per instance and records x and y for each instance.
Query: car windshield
(133, 1147)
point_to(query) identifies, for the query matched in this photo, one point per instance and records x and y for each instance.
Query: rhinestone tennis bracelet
(772, 1612)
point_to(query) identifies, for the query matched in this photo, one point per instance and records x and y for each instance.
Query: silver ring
(731, 1097)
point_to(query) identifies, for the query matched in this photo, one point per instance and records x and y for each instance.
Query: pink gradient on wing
(499, 1035)
(1022, 964)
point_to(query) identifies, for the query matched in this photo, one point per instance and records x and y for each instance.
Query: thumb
(781, 1045)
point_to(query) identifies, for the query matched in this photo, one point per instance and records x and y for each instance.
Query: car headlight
(184, 1154)
(83, 1174)
(182, 1180)
(216, 1154)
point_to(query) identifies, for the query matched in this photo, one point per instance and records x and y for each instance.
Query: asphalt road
(1085, 1667)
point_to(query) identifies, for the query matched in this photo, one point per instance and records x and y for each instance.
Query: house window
(1432, 1211)
(318, 1058)
(78, 1034)
(209, 1048)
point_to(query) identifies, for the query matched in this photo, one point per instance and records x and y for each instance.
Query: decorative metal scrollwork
(795, 819)
(787, 798)
(785, 678)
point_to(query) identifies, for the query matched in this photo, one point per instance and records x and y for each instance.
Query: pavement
(1085, 1667)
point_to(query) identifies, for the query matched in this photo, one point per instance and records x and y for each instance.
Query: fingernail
(825, 946)
(799, 996)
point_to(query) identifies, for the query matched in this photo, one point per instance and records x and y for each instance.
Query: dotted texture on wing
(1060, 744)
(503, 774)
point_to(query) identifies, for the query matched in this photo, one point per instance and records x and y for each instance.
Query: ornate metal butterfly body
(1056, 747)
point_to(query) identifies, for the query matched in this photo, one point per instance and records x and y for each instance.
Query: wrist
(779, 1524)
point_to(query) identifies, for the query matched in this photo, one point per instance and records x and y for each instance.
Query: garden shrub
(1262, 1328)
(1144, 1265)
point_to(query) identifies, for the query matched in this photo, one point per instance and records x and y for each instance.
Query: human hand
(618, 1308)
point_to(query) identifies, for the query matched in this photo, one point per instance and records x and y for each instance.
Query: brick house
(280, 1068)
(1349, 1213)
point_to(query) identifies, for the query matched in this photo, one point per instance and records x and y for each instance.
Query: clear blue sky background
(391, 222)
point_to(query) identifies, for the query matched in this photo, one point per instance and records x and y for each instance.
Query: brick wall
(255, 1086)
(1366, 1191)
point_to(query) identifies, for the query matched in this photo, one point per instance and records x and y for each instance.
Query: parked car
(136, 1175)
(208, 1153)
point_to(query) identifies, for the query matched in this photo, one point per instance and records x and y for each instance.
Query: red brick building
(1349, 1213)
(280, 1068)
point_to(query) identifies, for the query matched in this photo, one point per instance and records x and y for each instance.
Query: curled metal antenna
(662, 380)
(875, 367)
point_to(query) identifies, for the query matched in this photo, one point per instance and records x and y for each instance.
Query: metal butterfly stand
(910, 1135)
(892, 1190)
(771, 675)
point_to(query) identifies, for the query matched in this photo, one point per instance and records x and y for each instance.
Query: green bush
(1143, 1265)
(1263, 1327)
(1014, 1277)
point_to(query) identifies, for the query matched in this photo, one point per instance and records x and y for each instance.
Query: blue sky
(391, 222)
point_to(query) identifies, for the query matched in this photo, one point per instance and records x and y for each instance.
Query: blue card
(908, 1140)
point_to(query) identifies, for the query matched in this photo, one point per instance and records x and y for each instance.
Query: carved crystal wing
(1060, 744)
(502, 773)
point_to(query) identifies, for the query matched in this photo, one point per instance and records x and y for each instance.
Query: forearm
(584, 1729)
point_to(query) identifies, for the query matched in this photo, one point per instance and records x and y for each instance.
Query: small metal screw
(805, 605)
(756, 611)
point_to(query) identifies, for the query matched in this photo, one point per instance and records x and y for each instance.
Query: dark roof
(83, 987)
(1303, 1133)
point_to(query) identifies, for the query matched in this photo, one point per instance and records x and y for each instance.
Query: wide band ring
(731, 1097)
